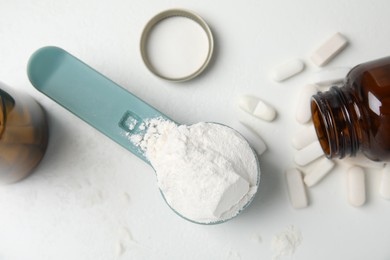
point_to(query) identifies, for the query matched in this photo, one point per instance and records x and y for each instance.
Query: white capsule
(287, 70)
(329, 49)
(303, 112)
(318, 171)
(296, 188)
(384, 188)
(328, 77)
(254, 138)
(257, 108)
(305, 137)
(356, 187)
(363, 161)
(308, 154)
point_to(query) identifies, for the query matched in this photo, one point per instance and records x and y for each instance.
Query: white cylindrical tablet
(257, 107)
(303, 112)
(305, 137)
(254, 138)
(308, 154)
(363, 161)
(356, 186)
(296, 188)
(328, 77)
(329, 49)
(384, 188)
(287, 70)
(318, 171)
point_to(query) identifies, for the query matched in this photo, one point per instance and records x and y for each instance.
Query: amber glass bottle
(23, 134)
(356, 116)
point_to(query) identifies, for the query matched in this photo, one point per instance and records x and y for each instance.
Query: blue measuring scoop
(97, 100)
(91, 96)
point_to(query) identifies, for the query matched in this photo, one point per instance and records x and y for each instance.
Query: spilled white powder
(207, 172)
(286, 242)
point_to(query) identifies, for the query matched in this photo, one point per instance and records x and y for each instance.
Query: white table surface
(89, 195)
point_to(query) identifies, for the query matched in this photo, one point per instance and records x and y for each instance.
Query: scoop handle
(91, 96)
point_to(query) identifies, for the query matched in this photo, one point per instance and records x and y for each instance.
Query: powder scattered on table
(286, 242)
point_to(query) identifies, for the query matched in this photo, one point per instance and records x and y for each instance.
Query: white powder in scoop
(207, 172)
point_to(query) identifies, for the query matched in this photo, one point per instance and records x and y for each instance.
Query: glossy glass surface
(24, 135)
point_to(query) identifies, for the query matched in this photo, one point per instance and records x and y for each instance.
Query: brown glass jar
(356, 116)
(23, 134)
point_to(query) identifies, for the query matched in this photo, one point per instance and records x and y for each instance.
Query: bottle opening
(334, 123)
(321, 126)
(6, 104)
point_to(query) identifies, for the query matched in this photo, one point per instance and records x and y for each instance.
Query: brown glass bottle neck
(3, 116)
(334, 118)
(7, 103)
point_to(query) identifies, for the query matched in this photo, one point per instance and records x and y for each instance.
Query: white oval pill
(305, 137)
(303, 112)
(329, 49)
(248, 103)
(296, 189)
(356, 187)
(264, 111)
(308, 154)
(331, 76)
(287, 70)
(318, 171)
(257, 108)
(384, 188)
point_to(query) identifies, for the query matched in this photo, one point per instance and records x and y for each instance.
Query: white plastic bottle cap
(177, 45)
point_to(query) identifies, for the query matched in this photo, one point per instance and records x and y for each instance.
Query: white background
(89, 195)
